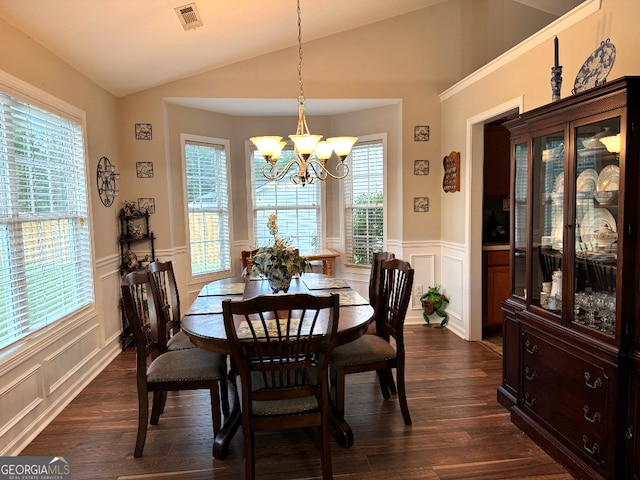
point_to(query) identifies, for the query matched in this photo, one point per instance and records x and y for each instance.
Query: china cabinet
(571, 364)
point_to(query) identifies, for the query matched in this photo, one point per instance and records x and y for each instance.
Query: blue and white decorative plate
(596, 68)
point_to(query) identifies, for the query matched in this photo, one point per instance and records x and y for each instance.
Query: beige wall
(521, 77)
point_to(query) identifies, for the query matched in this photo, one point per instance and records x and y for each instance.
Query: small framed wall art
(421, 167)
(421, 204)
(144, 169)
(143, 131)
(148, 204)
(421, 133)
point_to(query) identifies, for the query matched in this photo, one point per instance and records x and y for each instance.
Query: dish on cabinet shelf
(609, 197)
(587, 180)
(602, 218)
(594, 224)
(609, 179)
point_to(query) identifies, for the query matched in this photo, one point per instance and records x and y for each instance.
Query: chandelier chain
(301, 97)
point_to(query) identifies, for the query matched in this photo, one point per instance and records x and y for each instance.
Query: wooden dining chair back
(158, 371)
(281, 345)
(246, 259)
(163, 276)
(374, 277)
(376, 352)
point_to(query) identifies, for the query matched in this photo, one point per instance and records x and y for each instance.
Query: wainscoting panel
(14, 409)
(73, 357)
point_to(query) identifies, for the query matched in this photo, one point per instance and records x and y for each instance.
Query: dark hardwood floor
(459, 430)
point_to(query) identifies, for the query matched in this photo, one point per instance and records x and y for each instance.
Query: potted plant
(434, 302)
(279, 262)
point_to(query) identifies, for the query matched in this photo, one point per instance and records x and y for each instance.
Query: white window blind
(208, 205)
(298, 207)
(45, 250)
(363, 203)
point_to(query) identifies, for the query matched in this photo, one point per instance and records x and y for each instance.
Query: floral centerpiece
(278, 263)
(434, 302)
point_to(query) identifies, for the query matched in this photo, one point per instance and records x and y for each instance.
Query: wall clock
(106, 178)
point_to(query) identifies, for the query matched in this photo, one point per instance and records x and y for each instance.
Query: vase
(278, 284)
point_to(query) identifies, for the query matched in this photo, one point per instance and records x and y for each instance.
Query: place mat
(323, 282)
(347, 297)
(207, 305)
(218, 288)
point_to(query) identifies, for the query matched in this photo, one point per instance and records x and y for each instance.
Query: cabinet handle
(596, 384)
(593, 450)
(529, 401)
(529, 375)
(531, 349)
(594, 418)
(629, 433)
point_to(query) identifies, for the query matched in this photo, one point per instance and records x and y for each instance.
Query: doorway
(495, 228)
(473, 281)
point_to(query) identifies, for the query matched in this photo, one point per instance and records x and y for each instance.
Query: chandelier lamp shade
(310, 151)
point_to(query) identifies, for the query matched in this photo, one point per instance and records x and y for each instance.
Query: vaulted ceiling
(130, 45)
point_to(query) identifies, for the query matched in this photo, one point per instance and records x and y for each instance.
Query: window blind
(45, 250)
(298, 207)
(363, 203)
(208, 207)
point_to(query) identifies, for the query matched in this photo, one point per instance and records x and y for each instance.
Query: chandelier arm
(271, 172)
(319, 173)
(326, 172)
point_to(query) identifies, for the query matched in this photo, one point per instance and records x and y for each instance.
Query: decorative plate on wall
(596, 68)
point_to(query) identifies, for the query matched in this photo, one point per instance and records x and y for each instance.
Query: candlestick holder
(556, 83)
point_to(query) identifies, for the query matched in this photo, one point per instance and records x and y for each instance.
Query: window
(45, 249)
(208, 216)
(298, 207)
(363, 202)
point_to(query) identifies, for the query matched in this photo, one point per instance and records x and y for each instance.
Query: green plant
(279, 260)
(434, 302)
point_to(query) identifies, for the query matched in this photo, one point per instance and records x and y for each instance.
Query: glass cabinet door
(548, 221)
(519, 261)
(597, 178)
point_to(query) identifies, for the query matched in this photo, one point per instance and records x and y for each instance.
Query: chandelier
(311, 153)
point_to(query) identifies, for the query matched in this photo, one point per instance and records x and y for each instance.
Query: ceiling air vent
(189, 16)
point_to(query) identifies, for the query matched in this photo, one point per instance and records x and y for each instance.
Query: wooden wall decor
(451, 180)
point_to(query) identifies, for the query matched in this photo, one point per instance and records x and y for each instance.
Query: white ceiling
(129, 45)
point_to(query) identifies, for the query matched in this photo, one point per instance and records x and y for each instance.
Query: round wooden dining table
(204, 324)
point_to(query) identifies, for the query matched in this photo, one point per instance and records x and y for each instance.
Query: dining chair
(281, 345)
(375, 352)
(164, 277)
(246, 259)
(160, 371)
(374, 281)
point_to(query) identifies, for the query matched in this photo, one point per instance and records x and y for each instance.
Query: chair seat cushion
(180, 341)
(191, 364)
(366, 349)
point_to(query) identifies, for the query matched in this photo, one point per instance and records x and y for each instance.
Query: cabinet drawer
(568, 392)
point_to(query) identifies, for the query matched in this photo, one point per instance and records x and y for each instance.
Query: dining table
(203, 323)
